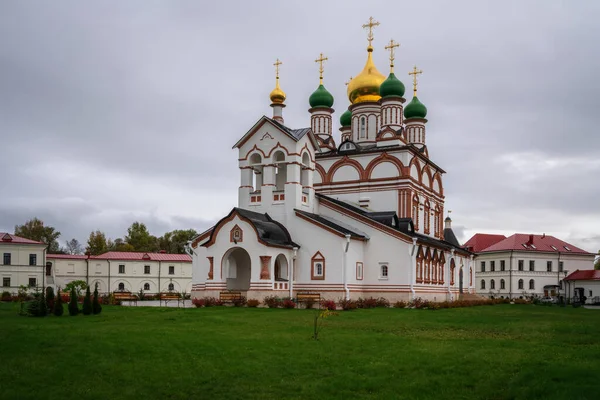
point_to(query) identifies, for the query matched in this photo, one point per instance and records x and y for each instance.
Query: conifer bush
(87, 302)
(50, 298)
(73, 307)
(96, 306)
(42, 307)
(58, 308)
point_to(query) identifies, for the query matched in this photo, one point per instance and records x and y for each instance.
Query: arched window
(121, 286)
(171, 287)
(531, 284)
(502, 284)
(426, 217)
(384, 271)
(482, 284)
(492, 284)
(521, 284)
(363, 128)
(146, 286)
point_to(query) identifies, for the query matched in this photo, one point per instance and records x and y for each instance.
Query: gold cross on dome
(391, 47)
(277, 64)
(372, 23)
(414, 73)
(320, 61)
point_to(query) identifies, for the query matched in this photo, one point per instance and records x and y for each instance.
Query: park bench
(230, 297)
(120, 296)
(303, 297)
(168, 296)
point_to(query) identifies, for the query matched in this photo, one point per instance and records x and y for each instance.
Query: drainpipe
(87, 270)
(108, 277)
(449, 272)
(291, 272)
(345, 270)
(413, 263)
(159, 268)
(510, 275)
(44, 269)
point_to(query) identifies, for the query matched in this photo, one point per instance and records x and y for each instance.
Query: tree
(78, 285)
(119, 245)
(50, 298)
(34, 229)
(73, 307)
(174, 241)
(139, 237)
(58, 309)
(73, 247)
(42, 307)
(97, 243)
(96, 306)
(87, 302)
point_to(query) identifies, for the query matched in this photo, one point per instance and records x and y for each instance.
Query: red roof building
(9, 238)
(585, 275)
(528, 242)
(481, 241)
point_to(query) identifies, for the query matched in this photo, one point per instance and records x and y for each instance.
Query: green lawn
(489, 352)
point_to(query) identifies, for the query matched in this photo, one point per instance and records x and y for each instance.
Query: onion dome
(346, 118)
(321, 98)
(392, 86)
(277, 96)
(415, 109)
(365, 86)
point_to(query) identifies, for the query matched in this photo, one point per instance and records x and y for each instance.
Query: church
(362, 217)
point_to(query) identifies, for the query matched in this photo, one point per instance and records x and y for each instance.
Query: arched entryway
(281, 268)
(236, 269)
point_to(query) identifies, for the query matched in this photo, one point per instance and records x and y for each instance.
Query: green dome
(392, 86)
(415, 109)
(346, 118)
(321, 98)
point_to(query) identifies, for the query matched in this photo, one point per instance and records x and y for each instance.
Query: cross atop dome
(391, 48)
(320, 60)
(415, 72)
(370, 25)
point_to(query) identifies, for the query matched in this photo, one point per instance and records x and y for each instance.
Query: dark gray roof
(450, 237)
(388, 218)
(335, 225)
(269, 230)
(297, 134)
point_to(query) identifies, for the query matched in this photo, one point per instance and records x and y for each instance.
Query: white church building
(358, 218)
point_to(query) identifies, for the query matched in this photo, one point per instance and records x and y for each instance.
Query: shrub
(73, 307)
(32, 308)
(96, 306)
(42, 307)
(309, 303)
(253, 303)
(239, 302)
(272, 301)
(211, 302)
(400, 304)
(49, 298)
(383, 302)
(198, 302)
(288, 303)
(6, 296)
(347, 305)
(87, 302)
(58, 309)
(328, 305)
(368, 303)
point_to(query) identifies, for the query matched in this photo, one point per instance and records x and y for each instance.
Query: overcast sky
(113, 111)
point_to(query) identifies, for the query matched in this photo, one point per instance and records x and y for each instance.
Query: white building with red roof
(524, 265)
(22, 261)
(584, 286)
(123, 271)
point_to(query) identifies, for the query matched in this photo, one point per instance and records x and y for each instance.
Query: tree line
(138, 238)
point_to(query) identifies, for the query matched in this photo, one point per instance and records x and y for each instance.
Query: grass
(488, 352)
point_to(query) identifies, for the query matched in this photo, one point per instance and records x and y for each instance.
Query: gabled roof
(126, 256)
(9, 238)
(334, 224)
(269, 231)
(294, 134)
(481, 241)
(585, 275)
(534, 243)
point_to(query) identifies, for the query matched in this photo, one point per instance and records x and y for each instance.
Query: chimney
(162, 252)
(530, 242)
(543, 235)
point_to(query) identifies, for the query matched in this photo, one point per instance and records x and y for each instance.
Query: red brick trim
(211, 267)
(236, 231)
(317, 258)
(265, 271)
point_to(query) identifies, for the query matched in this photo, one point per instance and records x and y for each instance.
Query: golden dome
(277, 96)
(365, 86)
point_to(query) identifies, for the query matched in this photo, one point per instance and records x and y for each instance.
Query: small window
(121, 269)
(363, 127)
(318, 269)
(502, 265)
(146, 269)
(502, 284)
(567, 248)
(6, 282)
(532, 265)
(121, 285)
(33, 259)
(548, 266)
(359, 271)
(32, 282)
(492, 266)
(7, 258)
(521, 265)
(483, 267)
(482, 284)
(561, 266)
(171, 270)
(171, 287)
(521, 284)
(384, 271)
(555, 249)
(492, 284)
(590, 293)
(531, 284)
(146, 286)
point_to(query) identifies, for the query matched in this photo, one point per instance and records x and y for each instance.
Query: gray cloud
(113, 112)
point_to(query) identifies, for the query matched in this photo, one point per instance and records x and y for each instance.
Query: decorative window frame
(384, 271)
(236, 235)
(360, 271)
(315, 260)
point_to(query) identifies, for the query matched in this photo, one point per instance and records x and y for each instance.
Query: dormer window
(347, 146)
